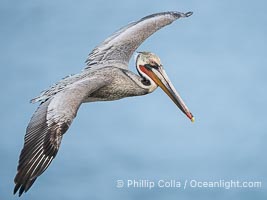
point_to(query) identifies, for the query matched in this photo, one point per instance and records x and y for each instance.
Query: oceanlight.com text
(192, 183)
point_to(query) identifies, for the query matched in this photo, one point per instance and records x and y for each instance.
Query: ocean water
(142, 147)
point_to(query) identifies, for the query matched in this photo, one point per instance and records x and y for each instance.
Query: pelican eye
(153, 64)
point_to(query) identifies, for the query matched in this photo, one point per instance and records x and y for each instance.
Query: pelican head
(150, 68)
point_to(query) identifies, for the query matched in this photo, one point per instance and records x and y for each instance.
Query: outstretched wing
(46, 128)
(120, 46)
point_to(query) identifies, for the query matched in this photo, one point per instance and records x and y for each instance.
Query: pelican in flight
(105, 78)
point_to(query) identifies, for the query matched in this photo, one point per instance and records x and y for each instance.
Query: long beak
(162, 80)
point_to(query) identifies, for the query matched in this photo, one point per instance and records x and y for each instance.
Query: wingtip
(21, 191)
(188, 14)
(15, 189)
(181, 14)
(19, 188)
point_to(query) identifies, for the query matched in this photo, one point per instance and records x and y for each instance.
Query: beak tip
(193, 119)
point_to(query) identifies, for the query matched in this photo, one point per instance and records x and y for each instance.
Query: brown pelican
(105, 78)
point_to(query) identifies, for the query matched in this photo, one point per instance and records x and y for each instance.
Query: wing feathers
(46, 128)
(35, 155)
(119, 47)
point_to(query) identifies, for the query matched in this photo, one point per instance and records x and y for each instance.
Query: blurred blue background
(217, 61)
